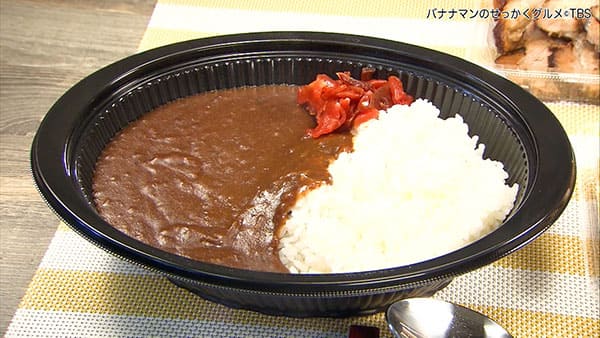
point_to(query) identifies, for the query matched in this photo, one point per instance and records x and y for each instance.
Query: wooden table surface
(45, 48)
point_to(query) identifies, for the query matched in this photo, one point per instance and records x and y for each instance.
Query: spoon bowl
(428, 317)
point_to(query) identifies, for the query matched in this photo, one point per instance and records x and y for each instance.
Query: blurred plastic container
(545, 82)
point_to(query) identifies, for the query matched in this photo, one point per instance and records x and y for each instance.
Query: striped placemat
(547, 289)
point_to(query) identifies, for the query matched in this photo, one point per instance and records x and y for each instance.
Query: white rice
(414, 188)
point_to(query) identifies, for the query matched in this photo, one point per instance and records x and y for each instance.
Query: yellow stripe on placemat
(154, 296)
(406, 9)
(163, 36)
(524, 323)
(577, 119)
(118, 294)
(549, 253)
(63, 227)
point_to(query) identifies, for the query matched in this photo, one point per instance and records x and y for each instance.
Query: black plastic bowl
(517, 129)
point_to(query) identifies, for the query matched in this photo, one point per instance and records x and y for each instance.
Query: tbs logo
(579, 13)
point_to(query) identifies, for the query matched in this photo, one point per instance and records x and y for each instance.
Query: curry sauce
(212, 176)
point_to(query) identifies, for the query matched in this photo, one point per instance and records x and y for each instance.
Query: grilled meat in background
(563, 46)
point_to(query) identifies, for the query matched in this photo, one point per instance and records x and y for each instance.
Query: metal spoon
(428, 317)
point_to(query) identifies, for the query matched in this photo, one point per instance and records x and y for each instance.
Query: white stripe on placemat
(35, 323)
(527, 290)
(69, 251)
(574, 220)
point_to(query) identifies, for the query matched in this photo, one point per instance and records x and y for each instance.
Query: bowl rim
(53, 170)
